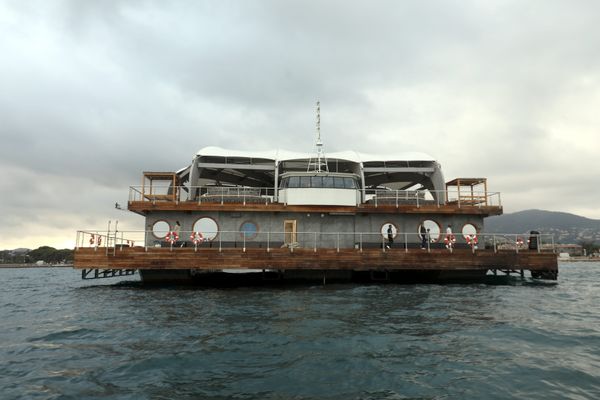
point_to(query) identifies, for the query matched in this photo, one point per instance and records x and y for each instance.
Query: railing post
(268, 241)
(494, 240)
(405, 242)
(220, 247)
(360, 242)
(553, 248)
(77, 241)
(338, 242)
(383, 244)
(315, 242)
(396, 198)
(539, 243)
(417, 196)
(107, 236)
(244, 238)
(427, 235)
(516, 244)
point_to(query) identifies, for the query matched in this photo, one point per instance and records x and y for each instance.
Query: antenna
(319, 163)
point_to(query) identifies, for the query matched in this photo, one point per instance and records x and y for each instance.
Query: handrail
(111, 241)
(254, 195)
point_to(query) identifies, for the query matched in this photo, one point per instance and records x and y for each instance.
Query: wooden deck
(308, 259)
(143, 207)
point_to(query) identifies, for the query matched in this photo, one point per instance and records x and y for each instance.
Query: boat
(270, 216)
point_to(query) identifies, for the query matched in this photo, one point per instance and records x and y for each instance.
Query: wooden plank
(345, 259)
(147, 206)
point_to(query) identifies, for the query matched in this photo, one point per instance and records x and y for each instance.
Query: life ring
(196, 238)
(449, 239)
(472, 240)
(520, 242)
(99, 240)
(172, 237)
(92, 239)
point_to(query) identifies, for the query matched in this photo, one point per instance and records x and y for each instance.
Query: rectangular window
(349, 183)
(327, 181)
(294, 182)
(338, 182)
(316, 181)
(305, 181)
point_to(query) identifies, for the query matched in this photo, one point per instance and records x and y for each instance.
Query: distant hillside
(568, 228)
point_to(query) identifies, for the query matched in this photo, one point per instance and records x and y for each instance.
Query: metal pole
(315, 242)
(495, 248)
(338, 242)
(516, 245)
(220, 241)
(244, 236)
(268, 241)
(360, 241)
(539, 243)
(107, 236)
(405, 242)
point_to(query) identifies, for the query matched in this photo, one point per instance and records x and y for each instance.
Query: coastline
(21, 266)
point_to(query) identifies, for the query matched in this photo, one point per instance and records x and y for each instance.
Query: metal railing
(112, 241)
(254, 195)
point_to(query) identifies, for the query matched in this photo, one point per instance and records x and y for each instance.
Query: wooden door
(289, 231)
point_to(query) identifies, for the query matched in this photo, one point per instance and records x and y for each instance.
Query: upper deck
(279, 181)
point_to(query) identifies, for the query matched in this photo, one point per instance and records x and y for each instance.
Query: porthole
(160, 229)
(469, 230)
(207, 227)
(248, 230)
(432, 228)
(385, 227)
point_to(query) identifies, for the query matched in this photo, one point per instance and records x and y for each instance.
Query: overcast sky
(94, 92)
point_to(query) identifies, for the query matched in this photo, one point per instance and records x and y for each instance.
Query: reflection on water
(64, 338)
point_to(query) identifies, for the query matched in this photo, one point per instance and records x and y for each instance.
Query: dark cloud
(95, 92)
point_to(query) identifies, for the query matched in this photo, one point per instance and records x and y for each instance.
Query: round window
(469, 230)
(432, 228)
(207, 227)
(385, 228)
(160, 229)
(249, 230)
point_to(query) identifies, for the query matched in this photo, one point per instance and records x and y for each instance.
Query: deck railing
(266, 195)
(113, 241)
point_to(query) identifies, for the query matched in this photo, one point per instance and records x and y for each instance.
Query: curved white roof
(285, 155)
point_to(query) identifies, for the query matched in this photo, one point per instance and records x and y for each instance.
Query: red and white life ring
(449, 239)
(92, 239)
(520, 242)
(99, 240)
(472, 240)
(196, 238)
(172, 237)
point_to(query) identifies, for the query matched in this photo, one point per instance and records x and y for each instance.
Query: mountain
(567, 228)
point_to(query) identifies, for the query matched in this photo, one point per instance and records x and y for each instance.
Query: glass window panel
(316, 181)
(338, 182)
(349, 183)
(294, 182)
(327, 181)
(305, 181)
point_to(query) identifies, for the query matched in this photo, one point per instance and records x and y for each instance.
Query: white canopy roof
(285, 155)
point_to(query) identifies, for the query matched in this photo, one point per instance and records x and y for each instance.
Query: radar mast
(318, 163)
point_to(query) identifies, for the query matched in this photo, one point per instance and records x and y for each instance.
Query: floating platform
(205, 265)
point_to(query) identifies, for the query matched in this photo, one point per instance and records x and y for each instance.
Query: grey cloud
(95, 92)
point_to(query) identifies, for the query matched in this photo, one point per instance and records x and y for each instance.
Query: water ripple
(62, 338)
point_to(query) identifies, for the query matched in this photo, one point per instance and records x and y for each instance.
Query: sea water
(64, 338)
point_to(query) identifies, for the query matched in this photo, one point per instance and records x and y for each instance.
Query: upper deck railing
(266, 195)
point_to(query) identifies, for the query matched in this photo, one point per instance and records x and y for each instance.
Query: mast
(318, 163)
